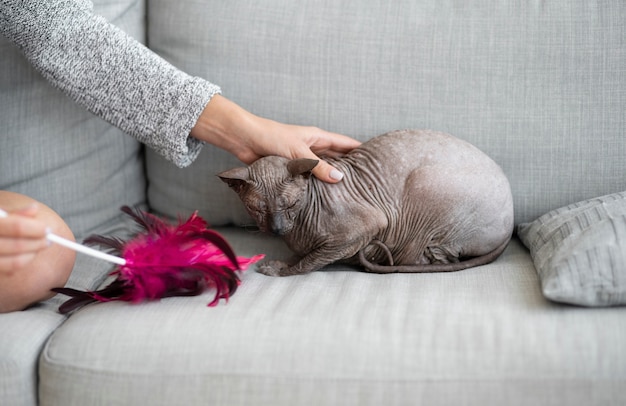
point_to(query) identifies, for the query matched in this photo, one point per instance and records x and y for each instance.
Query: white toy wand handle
(78, 247)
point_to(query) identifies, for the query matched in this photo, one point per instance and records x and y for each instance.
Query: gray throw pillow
(580, 251)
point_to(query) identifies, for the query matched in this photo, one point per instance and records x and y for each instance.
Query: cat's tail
(420, 268)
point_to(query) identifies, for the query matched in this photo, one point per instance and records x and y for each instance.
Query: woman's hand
(22, 236)
(249, 137)
(29, 265)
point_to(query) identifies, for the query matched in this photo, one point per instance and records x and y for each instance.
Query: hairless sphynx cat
(410, 201)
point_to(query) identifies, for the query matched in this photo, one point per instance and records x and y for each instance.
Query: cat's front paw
(273, 268)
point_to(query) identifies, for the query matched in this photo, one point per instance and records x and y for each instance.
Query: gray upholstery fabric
(68, 158)
(580, 251)
(23, 335)
(339, 337)
(174, 191)
(110, 73)
(539, 86)
(75, 163)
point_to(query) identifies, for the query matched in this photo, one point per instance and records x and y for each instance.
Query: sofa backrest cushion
(55, 151)
(539, 86)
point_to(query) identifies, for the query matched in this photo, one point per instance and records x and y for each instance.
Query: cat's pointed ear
(301, 166)
(235, 178)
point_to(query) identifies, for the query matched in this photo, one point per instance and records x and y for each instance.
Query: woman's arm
(108, 72)
(120, 80)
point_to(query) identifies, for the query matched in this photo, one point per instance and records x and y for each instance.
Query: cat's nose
(278, 225)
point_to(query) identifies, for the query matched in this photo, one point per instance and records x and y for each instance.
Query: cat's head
(273, 190)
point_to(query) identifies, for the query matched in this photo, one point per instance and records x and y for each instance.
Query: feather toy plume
(165, 260)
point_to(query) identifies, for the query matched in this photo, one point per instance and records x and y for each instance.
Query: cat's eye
(258, 207)
(283, 202)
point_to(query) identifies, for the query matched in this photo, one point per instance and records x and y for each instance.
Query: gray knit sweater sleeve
(110, 73)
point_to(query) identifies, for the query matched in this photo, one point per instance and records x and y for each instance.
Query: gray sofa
(538, 86)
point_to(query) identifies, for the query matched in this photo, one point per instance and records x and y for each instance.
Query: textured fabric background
(75, 163)
(71, 160)
(109, 72)
(539, 86)
(484, 336)
(580, 251)
(22, 338)
(23, 335)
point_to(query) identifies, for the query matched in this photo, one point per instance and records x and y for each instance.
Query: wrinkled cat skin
(430, 200)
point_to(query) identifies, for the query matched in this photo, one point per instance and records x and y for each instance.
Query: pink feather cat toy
(163, 260)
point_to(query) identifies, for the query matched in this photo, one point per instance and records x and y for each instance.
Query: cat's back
(410, 164)
(403, 151)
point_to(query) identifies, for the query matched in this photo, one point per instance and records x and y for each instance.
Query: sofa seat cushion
(580, 251)
(484, 335)
(24, 334)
